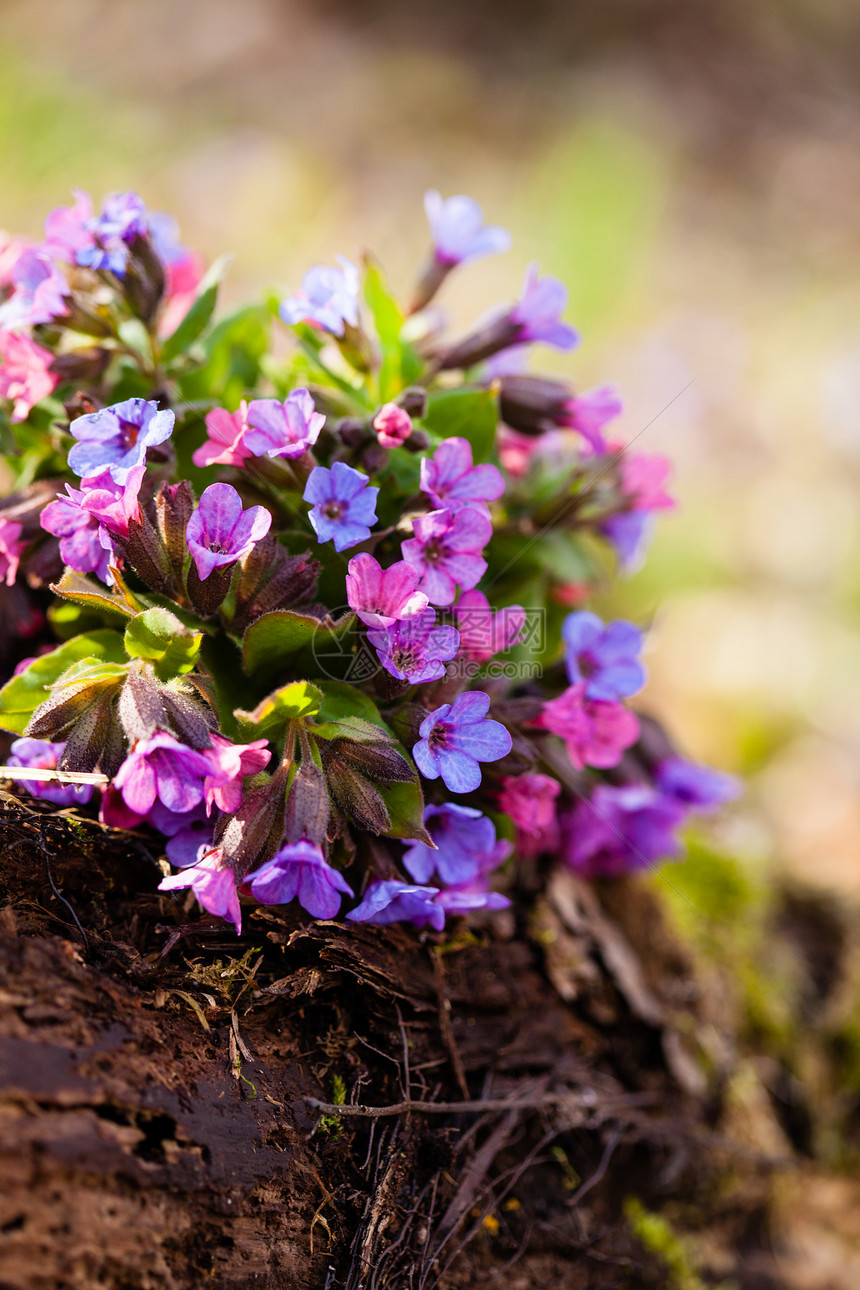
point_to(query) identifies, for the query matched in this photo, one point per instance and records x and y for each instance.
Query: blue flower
(456, 737)
(605, 657)
(466, 846)
(328, 297)
(343, 504)
(116, 438)
(300, 869)
(459, 231)
(399, 902)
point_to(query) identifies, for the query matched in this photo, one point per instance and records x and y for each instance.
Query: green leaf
(234, 349)
(86, 591)
(341, 701)
(405, 803)
(355, 729)
(20, 697)
(158, 635)
(467, 414)
(198, 316)
(343, 705)
(280, 635)
(290, 703)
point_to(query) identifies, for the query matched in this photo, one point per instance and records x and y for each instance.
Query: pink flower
(230, 763)
(39, 291)
(393, 425)
(11, 548)
(570, 594)
(382, 597)
(66, 230)
(214, 885)
(183, 277)
(450, 480)
(530, 801)
(642, 478)
(516, 450)
(11, 250)
(484, 634)
(595, 732)
(226, 443)
(588, 413)
(285, 429)
(25, 375)
(446, 551)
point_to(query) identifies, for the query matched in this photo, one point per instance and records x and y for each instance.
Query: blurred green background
(692, 171)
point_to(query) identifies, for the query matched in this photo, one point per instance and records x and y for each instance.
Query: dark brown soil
(159, 1080)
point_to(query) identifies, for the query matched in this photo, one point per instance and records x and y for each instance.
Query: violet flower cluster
(313, 627)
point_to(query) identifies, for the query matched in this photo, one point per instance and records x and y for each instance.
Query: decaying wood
(315, 1106)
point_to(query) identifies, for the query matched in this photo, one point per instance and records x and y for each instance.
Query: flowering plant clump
(316, 623)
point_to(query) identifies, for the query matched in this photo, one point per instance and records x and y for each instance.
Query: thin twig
(586, 1101)
(52, 776)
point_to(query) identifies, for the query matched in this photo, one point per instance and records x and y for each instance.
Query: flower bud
(307, 810)
(144, 282)
(72, 694)
(173, 506)
(189, 717)
(145, 551)
(208, 595)
(354, 793)
(253, 834)
(532, 404)
(140, 709)
(96, 730)
(81, 365)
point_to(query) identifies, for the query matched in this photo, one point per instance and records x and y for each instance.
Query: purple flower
(219, 532)
(214, 885)
(162, 768)
(459, 231)
(415, 649)
(285, 429)
(84, 519)
(466, 846)
(344, 506)
(11, 549)
(451, 481)
(588, 413)
(381, 597)
(189, 833)
(123, 218)
(629, 532)
(696, 788)
(84, 544)
(398, 902)
(622, 829)
(467, 899)
(116, 438)
(39, 291)
(446, 551)
(537, 314)
(328, 298)
(40, 754)
(300, 869)
(456, 737)
(605, 657)
(67, 227)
